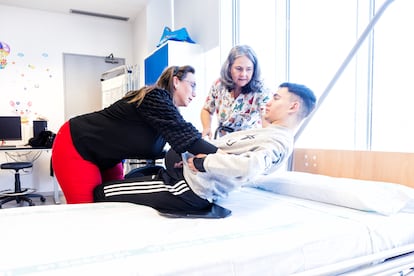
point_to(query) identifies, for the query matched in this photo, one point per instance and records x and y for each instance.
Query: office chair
(146, 166)
(18, 194)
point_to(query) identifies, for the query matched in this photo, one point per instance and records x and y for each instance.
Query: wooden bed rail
(394, 167)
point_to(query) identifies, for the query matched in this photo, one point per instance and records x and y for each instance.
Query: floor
(49, 201)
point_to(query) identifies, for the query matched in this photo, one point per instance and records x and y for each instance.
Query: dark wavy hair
(256, 83)
(165, 81)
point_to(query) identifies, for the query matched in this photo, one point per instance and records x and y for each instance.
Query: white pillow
(372, 196)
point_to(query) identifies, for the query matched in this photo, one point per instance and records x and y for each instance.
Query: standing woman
(238, 97)
(88, 149)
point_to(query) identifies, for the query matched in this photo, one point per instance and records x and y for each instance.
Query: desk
(29, 154)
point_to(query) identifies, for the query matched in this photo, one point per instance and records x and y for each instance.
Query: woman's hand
(207, 133)
(178, 165)
(191, 162)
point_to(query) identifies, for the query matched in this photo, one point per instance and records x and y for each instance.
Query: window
(257, 29)
(393, 71)
(306, 41)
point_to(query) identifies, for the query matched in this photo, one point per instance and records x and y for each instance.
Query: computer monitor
(10, 129)
(39, 126)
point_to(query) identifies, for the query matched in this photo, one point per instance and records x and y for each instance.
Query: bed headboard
(394, 167)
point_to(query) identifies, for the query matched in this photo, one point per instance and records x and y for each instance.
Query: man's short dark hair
(306, 94)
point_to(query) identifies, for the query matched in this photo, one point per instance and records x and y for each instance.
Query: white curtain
(118, 81)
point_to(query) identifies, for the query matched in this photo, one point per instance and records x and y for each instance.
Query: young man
(242, 156)
(252, 152)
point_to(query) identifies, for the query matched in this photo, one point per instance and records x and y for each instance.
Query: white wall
(33, 33)
(42, 38)
(200, 18)
(158, 16)
(140, 42)
(34, 71)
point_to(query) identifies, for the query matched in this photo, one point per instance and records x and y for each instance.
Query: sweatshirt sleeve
(248, 165)
(159, 110)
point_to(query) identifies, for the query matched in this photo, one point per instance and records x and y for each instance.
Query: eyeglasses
(192, 84)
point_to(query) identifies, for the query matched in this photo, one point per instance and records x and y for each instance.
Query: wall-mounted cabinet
(171, 53)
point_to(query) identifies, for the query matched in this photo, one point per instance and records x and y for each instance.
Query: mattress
(267, 234)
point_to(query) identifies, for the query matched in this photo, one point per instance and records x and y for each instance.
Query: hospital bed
(289, 223)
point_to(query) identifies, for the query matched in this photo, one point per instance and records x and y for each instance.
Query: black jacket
(124, 131)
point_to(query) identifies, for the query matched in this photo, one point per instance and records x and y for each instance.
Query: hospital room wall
(33, 76)
(207, 23)
(200, 18)
(38, 40)
(38, 43)
(203, 21)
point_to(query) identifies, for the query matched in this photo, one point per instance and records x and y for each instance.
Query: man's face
(279, 106)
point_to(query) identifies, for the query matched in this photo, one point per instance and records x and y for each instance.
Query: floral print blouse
(244, 112)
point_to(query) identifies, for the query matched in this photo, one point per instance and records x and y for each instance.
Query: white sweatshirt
(252, 153)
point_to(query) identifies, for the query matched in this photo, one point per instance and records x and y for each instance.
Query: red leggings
(76, 176)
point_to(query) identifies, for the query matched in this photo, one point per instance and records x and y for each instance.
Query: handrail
(392, 260)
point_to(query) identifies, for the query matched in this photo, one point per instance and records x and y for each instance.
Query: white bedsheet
(267, 234)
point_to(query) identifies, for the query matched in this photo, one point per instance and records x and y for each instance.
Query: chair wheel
(42, 199)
